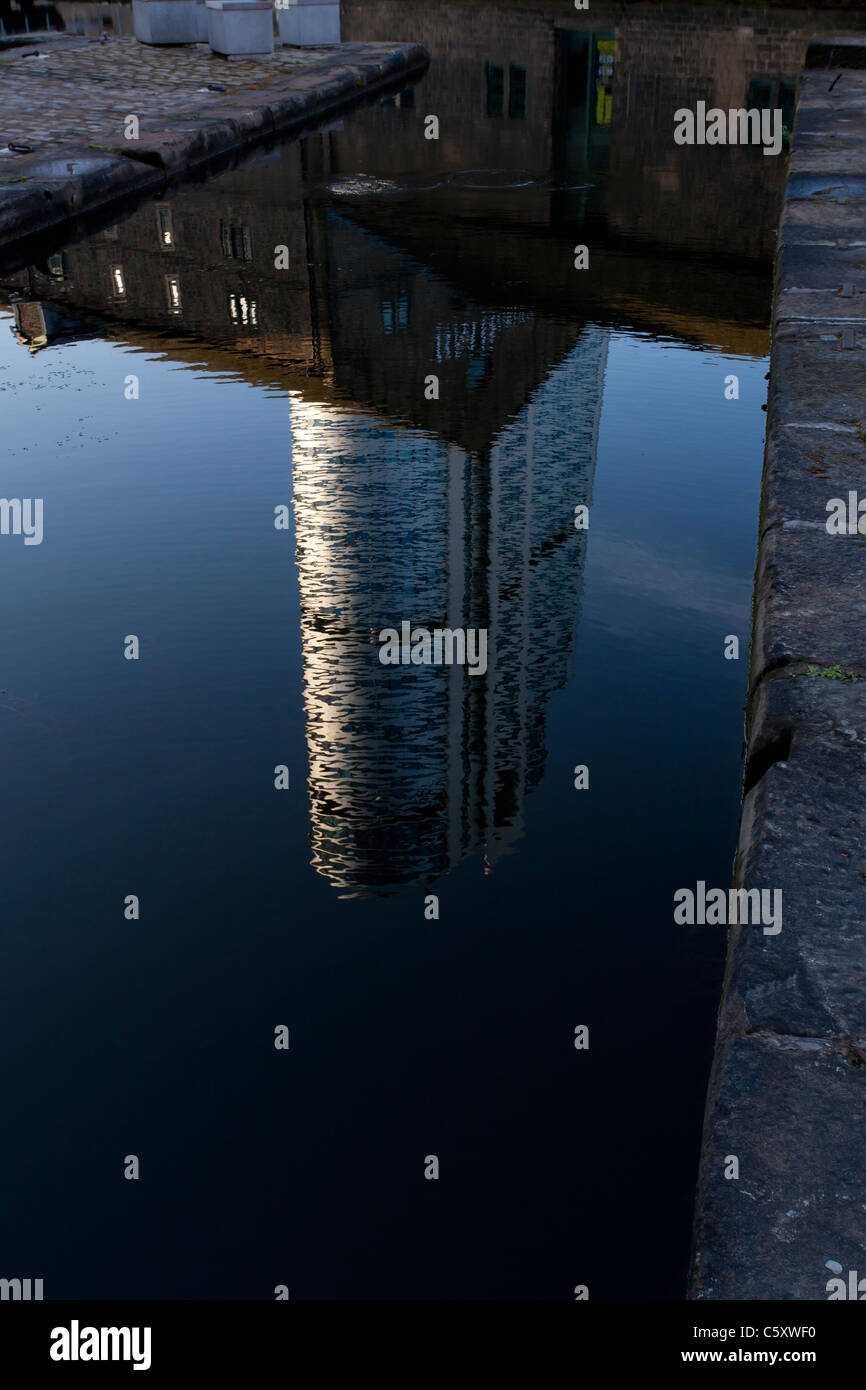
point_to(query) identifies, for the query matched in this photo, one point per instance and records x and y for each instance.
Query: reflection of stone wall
(667, 56)
(672, 56)
(460, 39)
(203, 263)
(92, 19)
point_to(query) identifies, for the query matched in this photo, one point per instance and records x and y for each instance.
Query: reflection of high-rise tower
(414, 767)
(369, 505)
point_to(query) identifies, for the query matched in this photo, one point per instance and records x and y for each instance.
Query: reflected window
(395, 313)
(516, 90)
(760, 95)
(243, 311)
(166, 234)
(118, 282)
(57, 266)
(495, 83)
(172, 294)
(774, 94)
(480, 371)
(236, 240)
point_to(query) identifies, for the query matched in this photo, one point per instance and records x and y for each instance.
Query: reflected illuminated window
(172, 294)
(243, 311)
(118, 283)
(166, 233)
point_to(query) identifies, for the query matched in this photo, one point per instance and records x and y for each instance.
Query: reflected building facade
(413, 768)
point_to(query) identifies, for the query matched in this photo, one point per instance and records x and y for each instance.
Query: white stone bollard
(165, 21)
(305, 23)
(240, 27)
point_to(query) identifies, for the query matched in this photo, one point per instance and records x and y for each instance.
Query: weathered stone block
(807, 219)
(305, 23)
(165, 21)
(831, 266)
(789, 1109)
(803, 832)
(241, 27)
(810, 595)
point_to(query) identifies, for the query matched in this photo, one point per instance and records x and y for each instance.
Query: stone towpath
(65, 103)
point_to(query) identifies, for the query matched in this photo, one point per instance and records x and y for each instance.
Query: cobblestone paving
(79, 91)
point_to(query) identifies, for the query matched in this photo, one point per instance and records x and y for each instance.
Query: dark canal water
(164, 389)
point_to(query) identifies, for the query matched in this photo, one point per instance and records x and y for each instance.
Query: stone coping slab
(787, 1106)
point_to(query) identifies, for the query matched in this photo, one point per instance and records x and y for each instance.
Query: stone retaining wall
(787, 1094)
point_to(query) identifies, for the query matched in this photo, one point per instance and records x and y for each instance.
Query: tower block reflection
(413, 768)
